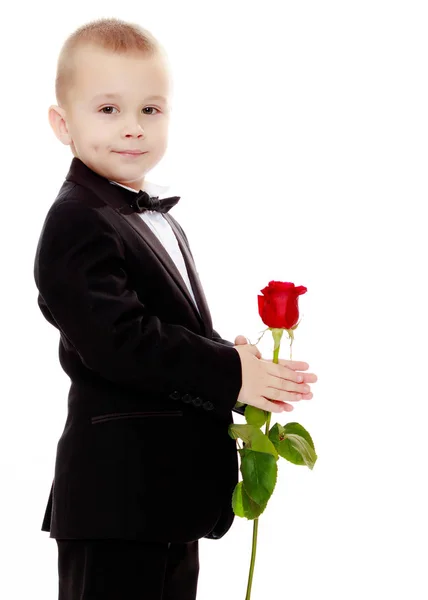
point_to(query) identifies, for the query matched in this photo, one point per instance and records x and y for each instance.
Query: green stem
(253, 558)
(275, 360)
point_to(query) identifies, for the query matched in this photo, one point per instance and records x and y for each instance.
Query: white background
(298, 145)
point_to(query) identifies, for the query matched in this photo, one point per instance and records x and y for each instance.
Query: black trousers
(127, 570)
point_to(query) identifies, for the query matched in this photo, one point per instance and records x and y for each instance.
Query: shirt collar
(153, 189)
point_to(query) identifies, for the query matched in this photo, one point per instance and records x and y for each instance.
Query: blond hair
(110, 34)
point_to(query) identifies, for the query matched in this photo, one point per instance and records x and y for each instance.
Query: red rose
(278, 308)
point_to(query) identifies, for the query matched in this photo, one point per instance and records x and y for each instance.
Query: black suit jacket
(145, 451)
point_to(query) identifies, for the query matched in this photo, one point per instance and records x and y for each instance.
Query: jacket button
(187, 398)
(208, 405)
(197, 401)
(175, 395)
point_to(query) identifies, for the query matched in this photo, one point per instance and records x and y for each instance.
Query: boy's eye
(109, 113)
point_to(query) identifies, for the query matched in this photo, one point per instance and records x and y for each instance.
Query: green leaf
(261, 443)
(255, 416)
(275, 434)
(259, 473)
(294, 443)
(253, 438)
(243, 505)
(299, 430)
(302, 448)
(252, 510)
(237, 505)
(242, 432)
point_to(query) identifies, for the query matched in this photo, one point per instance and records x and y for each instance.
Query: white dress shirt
(162, 229)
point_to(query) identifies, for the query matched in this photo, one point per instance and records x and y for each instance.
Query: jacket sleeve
(220, 340)
(216, 338)
(80, 272)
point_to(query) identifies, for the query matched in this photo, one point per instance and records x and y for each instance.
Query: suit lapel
(193, 276)
(111, 195)
(157, 247)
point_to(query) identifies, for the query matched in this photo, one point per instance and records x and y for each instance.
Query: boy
(145, 466)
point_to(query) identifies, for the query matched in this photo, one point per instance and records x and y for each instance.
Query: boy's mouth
(133, 152)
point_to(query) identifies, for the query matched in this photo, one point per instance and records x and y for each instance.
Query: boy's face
(98, 128)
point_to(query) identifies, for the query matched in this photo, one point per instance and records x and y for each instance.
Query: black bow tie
(141, 201)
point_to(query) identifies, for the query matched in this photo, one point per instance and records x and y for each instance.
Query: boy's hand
(292, 364)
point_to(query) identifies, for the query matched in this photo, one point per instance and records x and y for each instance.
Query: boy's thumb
(242, 340)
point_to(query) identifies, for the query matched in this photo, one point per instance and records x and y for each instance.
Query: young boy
(145, 466)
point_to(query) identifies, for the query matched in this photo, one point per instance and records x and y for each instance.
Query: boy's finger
(296, 365)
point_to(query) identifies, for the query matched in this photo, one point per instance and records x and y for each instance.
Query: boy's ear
(57, 116)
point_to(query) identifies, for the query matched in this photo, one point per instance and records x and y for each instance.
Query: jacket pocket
(135, 415)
